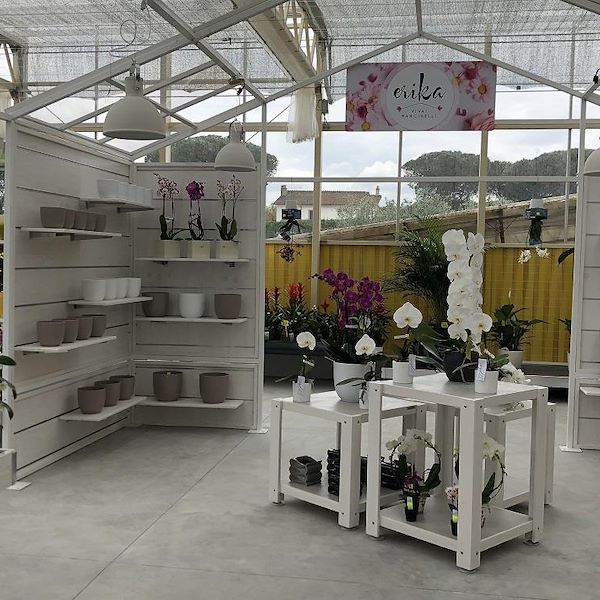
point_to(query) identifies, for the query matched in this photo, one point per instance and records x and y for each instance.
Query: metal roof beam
(174, 19)
(148, 54)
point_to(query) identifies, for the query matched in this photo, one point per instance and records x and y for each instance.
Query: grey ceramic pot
(127, 385)
(228, 306)
(100, 222)
(90, 221)
(98, 325)
(167, 385)
(80, 219)
(214, 387)
(51, 333)
(69, 218)
(71, 330)
(53, 216)
(91, 399)
(113, 391)
(158, 306)
(85, 328)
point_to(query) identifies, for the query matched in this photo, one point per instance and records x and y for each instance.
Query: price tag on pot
(481, 369)
(409, 503)
(412, 365)
(454, 515)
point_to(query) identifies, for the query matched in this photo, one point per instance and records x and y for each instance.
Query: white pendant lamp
(134, 117)
(235, 155)
(592, 164)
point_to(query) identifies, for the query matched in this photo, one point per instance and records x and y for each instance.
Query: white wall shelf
(163, 261)
(38, 349)
(192, 403)
(120, 204)
(106, 413)
(73, 233)
(590, 391)
(116, 302)
(198, 320)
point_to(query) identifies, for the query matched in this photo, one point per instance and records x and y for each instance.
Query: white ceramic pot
(401, 372)
(123, 190)
(132, 192)
(227, 249)
(134, 287)
(108, 188)
(195, 248)
(140, 194)
(489, 385)
(93, 290)
(111, 289)
(301, 391)
(122, 285)
(515, 356)
(349, 392)
(167, 248)
(387, 373)
(147, 196)
(191, 305)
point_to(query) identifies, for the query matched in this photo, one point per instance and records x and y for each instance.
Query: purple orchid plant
(195, 192)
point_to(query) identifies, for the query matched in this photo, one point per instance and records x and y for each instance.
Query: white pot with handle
(349, 392)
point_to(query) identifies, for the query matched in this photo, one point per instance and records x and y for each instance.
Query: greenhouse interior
(297, 299)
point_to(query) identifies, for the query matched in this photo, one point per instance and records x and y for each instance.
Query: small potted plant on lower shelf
(195, 246)
(417, 487)
(302, 387)
(228, 247)
(7, 456)
(510, 332)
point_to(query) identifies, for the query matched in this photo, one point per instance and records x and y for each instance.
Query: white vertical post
(537, 468)
(444, 440)
(275, 453)
(468, 550)
(316, 215)
(550, 441)
(349, 473)
(374, 398)
(399, 185)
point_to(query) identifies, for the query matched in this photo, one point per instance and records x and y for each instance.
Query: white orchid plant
(493, 451)
(407, 317)
(404, 447)
(307, 341)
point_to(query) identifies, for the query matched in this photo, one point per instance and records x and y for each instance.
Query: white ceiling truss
(292, 30)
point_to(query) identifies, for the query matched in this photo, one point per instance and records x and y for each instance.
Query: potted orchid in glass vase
(195, 246)
(353, 334)
(168, 244)
(228, 247)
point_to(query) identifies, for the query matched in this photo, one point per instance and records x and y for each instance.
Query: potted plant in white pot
(168, 244)
(7, 456)
(302, 387)
(407, 316)
(359, 312)
(510, 332)
(195, 246)
(228, 247)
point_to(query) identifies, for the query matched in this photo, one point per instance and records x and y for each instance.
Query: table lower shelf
(317, 494)
(106, 413)
(192, 403)
(433, 526)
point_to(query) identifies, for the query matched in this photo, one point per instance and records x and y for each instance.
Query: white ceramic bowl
(191, 305)
(134, 287)
(111, 289)
(93, 290)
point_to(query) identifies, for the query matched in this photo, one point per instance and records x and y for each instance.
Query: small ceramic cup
(93, 290)
(111, 289)
(122, 286)
(84, 330)
(51, 333)
(134, 287)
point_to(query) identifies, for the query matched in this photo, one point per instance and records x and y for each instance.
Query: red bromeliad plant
(359, 310)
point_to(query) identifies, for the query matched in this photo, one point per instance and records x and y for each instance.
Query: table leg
(275, 494)
(349, 474)
(420, 418)
(550, 454)
(537, 469)
(338, 435)
(468, 552)
(374, 399)
(444, 440)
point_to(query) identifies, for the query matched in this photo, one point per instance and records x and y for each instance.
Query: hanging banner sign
(450, 96)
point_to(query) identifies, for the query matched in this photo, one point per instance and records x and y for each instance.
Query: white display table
(348, 418)
(434, 525)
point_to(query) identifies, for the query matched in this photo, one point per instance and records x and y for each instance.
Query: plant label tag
(409, 503)
(301, 380)
(454, 515)
(481, 369)
(412, 365)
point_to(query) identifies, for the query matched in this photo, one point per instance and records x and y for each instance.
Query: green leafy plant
(229, 195)
(567, 324)
(420, 267)
(565, 254)
(508, 330)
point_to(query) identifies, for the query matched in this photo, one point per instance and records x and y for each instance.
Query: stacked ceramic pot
(107, 392)
(66, 331)
(114, 288)
(57, 217)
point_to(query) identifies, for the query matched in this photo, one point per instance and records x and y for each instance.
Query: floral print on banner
(469, 86)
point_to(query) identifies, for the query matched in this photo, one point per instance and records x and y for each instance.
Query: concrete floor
(163, 513)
